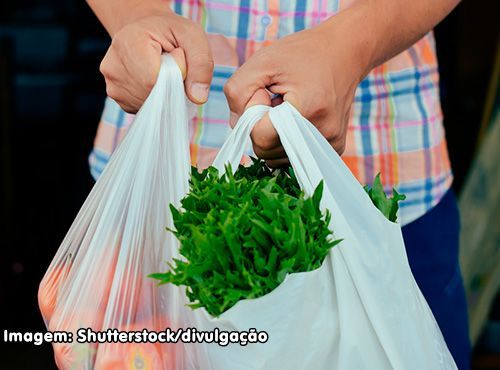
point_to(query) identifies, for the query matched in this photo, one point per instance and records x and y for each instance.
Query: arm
(325, 64)
(141, 31)
(381, 29)
(114, 14)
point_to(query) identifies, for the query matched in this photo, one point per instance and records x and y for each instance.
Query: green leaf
(387, 205)
(240, 235)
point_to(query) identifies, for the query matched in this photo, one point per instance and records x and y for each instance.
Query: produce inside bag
(98, 277)
(241, 234)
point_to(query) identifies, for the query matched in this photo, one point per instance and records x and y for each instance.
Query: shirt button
(266, 20)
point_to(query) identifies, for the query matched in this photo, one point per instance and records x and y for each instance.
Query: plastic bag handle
(232, 150)
(312, 158)
(293, 129)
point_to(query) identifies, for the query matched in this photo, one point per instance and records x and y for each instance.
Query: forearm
(114, 14)
(374, 31)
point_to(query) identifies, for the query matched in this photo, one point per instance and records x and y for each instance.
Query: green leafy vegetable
(242, 234)
(388, 206)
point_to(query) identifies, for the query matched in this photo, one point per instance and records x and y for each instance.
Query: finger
(264, 128)
(119, 85)
(264, 136)
(275, 153)
(278, 163)
(111, 66)
(145, 68)
(293, 98)
(243, 84)
(180, 59)
(338, 144)
(283, 93)
(200, 65)
(266, 142)
(126, 107)
(126, 100)
(261, 97)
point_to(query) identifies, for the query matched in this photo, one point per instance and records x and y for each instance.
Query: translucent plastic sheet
(98, 278)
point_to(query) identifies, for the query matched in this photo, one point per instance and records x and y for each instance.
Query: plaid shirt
(396, 122)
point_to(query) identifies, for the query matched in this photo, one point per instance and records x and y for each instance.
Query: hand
(300, 68)
(319, 69)
(132, 62)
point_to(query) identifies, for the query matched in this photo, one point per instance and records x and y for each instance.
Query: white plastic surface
(98, 278)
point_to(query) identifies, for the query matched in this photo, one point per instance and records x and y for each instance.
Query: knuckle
(331, 132)
(258, 151)
(111, 91)
(104, 67)
(339, 146)
(341, 149)
(322, 110)
(117, 43)
(230, 88)
(263, 143)
(128, 108)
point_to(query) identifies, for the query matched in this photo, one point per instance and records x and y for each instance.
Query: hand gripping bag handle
(371, 259)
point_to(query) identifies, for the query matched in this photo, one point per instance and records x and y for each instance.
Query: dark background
(51, 96)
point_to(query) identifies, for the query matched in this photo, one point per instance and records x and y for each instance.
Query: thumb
(260, 97)
(180, 59)
(200, 66)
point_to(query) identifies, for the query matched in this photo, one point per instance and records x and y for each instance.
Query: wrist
(350, 41)
(115, 15)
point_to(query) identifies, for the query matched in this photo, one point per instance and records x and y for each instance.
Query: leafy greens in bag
(242, 234)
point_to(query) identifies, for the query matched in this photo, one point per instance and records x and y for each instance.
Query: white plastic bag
(360, 310)
(98, 278)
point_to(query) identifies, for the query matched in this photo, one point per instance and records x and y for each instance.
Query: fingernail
(199, 91)
(233, 118)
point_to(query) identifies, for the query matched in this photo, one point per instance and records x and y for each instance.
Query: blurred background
(51, 96)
